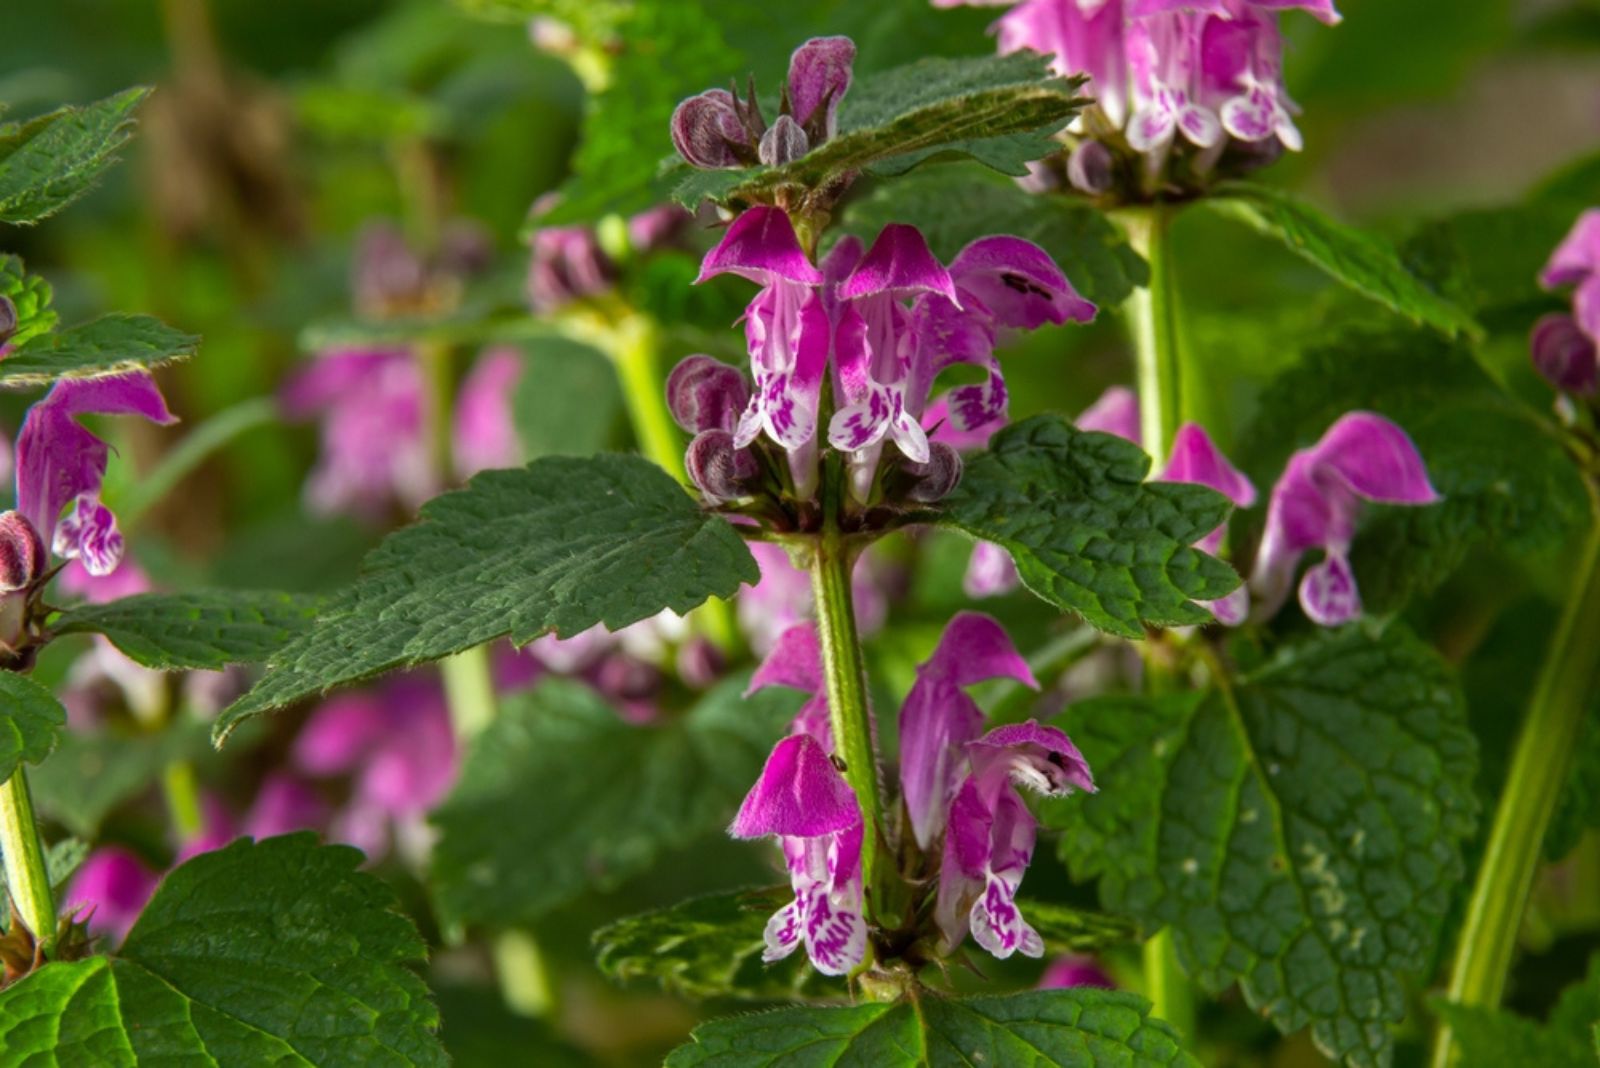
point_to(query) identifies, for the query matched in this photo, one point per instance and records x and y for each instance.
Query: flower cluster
(877, 327)
(960, 788)
(1564, 345)
(1203, 73)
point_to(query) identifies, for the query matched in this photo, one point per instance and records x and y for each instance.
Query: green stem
(849, 711)
(637, 352)
(1539, 766)
(195, 448)
(1171, 997)
(524, 977)
(183, 799)
(469, 690)
(1154, 320)
(27, 878)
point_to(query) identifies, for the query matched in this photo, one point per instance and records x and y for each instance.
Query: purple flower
(1196, 458)
(990, 572)
(1322, 9)
(1066, 972)
(787, 332)
(1241, 75)
(112, 886)
(484, 434)
(375, 442)
(1362, 457)
(1115, 412)
(938, 719)
(783, 596)
(1563, 354)
(1164, 58)
(717, 129)
(284, 804)
(990, 834)
(61, 463)
(567, 265)
(396, 743)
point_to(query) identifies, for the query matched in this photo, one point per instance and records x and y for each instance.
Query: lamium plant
(676, 587)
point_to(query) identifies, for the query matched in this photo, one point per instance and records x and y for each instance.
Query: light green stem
(469, 690)
(27, 878)
(524, 977)
(1171, 997)
(849, 710)
(195, 448)
(183, 799)
(1154, 320)
(1539, 766)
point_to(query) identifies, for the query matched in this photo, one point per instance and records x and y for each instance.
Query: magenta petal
(340, 733)
(819, 76)
(1328, 593)
(1376, 459)
(1578, 255)
(795, 662)
(1019, 283)
(761, 245)
(283, 805)
(1067, 972)
(799, 794)
(1030, 754)
(113, 886)
(975, 647)
(1115, 412)
(484, 435)
(706, 128)
(990, 572)
(1196, 458)
(900, 264)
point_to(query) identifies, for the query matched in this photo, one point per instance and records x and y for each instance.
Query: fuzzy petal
(1018, 283)
(1578, 255)
(1328, 593)
(761, 245)
(799, 794)
(794, 662)
(1115, 412)
(819, 77)
(899, 264)
(1029, 754)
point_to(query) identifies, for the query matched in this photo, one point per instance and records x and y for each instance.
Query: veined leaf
(203, 630)
(110, 345)
(1077, 1028)
(223, 964)
(30, 719)
(1299, 830)
(998, 110)
(1363, 261)
(1088, 534)
(599, 798)
(50, 161)
(561, 544)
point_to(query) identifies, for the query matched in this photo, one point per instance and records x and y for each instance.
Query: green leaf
(1503, 471)
(1362, 261)
(705, 947)
(89, 775)
(276, 952)
(598, 798)
(1068, 930)
(1079, 1028)
(30, 719)
(961, 203)
(554, 371)
(1488, 260)
(203, 630)
(1579, 807)
(998, 110)
(30, 295)
(1088, 534)
(594, 21)
(561, 544)
(1300, 830)
(1495, 1038)
(48, 162)
(110, 345)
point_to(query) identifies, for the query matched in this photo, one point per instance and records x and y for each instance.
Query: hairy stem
(27, 878)
(849, 712)
(1539, 766)
(1154, 320)
(469, 691)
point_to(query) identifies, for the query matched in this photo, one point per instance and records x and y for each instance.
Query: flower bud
(934, 480)
(1089, 168)
(706, 394)
(625, 677)
(708, 133)
(22, 554)
(8, 319)
(717, 467)
(700, 663)
(784, 142)
(1563, 354)
(568, 264)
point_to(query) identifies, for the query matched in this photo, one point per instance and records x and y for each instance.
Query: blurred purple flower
(1195, 458)
(375, 440)
(110, 888)
(783, 597)
(485, 435)
(1564, 346)
(1067, 972)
